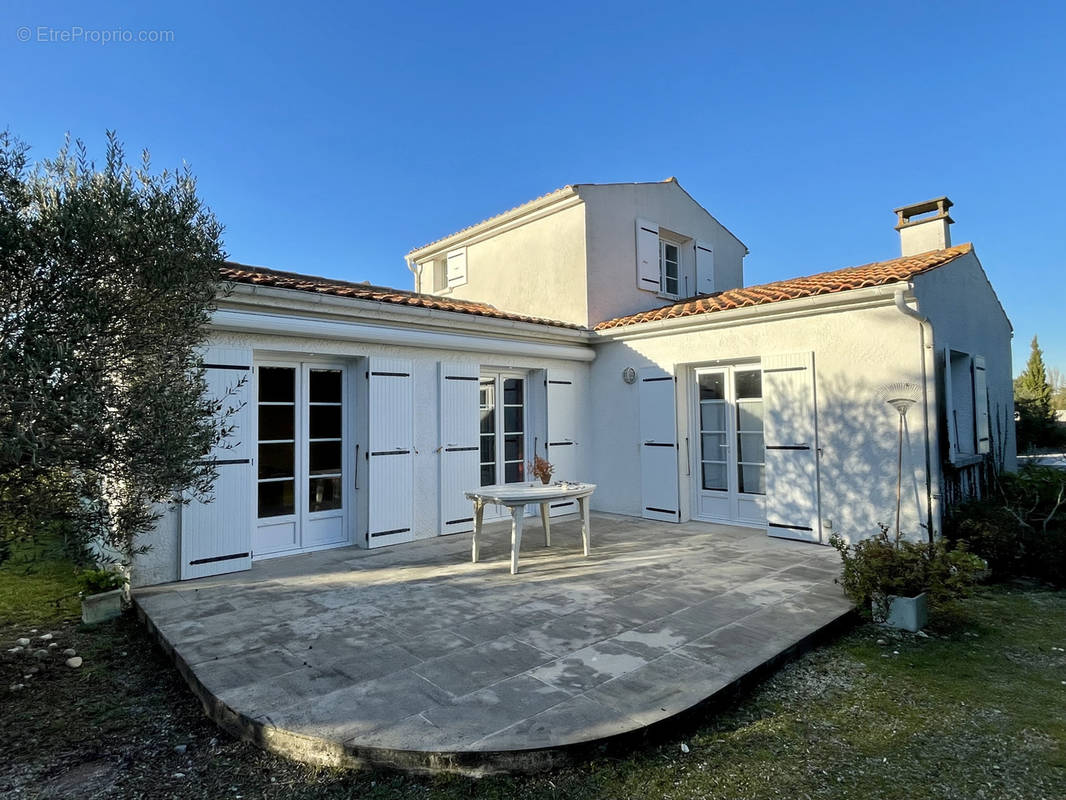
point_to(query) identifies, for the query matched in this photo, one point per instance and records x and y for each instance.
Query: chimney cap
(939, 205)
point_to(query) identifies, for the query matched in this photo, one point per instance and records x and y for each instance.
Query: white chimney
(927, 232)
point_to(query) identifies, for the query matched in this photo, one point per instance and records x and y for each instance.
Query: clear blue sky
(332, 138)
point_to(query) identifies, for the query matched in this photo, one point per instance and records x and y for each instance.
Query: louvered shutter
(390, 455)
(216, 537)
(459, 444)
(658, 446)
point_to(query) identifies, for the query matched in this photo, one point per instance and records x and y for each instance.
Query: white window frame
(663, 291)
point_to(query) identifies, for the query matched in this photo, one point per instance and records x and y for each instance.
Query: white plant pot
(101, 607)
(908, 613)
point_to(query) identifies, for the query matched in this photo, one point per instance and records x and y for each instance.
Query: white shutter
(457, 267)
(390, 453)
(647, 256)
(980, 395)
(658, 446)
(949, 408)
(561, 448)
(704, 268)
(791, 435)
(459, 445)
(216, 537)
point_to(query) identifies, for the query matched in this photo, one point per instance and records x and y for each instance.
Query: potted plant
(541, 469)
(898, 580)
(101, 595)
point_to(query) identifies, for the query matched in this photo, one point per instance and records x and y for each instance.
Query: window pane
(671, 285)
(513, 447)
(751, 480)
(513, 472)
(488, 474)
(714, 447)
(751, 448)
(324, 422)
(712, 416)
(714, 477)
(512, 420)
(325, 386)
(276, 422)
(324, 494)
(276, 461)
(488, 420)
(324, 458)
(749, 384)
(712, 386)
(749, 416)
(277, 498)
(488, 449)
(277, 385)
(512, 391)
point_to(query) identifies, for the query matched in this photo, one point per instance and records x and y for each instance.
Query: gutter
(287, 325)
(932, 465)
(761, 312)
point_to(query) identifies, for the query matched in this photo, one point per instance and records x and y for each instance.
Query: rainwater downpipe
(416, 270)
(932, 463)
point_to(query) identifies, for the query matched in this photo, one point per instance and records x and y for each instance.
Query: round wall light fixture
(629, 375)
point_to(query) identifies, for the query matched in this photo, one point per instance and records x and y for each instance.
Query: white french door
(730, 456)
(503, 437)
(302, 497)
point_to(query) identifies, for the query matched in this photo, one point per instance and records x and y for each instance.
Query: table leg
(516, 536)
(479, 514)
(585, 532)
(547, 525)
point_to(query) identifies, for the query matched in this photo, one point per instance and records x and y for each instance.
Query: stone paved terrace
(412, 656)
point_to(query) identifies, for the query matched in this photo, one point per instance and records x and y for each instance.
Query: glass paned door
(301, 457)
(503, 431)
(277, 441)
(731, 454)
(325, 415)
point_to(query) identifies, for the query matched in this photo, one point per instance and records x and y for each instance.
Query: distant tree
(109, 276)
(1032, 402)
(1057, 381)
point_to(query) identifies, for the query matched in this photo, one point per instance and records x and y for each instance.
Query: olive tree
(109, 275)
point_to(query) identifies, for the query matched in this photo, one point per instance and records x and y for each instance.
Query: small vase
(545, 479)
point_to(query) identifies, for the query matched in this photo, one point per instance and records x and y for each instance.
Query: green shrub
(1021, 529)
(883, 566)
(96, 581)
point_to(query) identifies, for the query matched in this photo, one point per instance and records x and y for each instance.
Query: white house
(607, 328)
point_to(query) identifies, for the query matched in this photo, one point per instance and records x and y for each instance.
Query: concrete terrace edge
(476, 763)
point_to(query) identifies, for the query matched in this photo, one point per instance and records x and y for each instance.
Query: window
(731, 430)
(503, 439)
(965, 405)
(669, 267)
(277, 441)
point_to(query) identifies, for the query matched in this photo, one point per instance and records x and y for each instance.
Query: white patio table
(516, 496)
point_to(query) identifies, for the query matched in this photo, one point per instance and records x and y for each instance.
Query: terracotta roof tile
(840, 280)
(262, 276)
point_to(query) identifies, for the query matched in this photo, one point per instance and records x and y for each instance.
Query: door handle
(355, 472)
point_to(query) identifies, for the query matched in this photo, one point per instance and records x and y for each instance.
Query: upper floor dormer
(586, 253)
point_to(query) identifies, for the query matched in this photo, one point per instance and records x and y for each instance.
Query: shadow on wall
(859, 436)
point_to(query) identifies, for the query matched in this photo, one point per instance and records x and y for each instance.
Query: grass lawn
(975, 710)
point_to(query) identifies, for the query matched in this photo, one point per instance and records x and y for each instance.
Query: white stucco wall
(856, 351)
(966, 315)
(536, 268)
(160, 564)
(611, 214)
